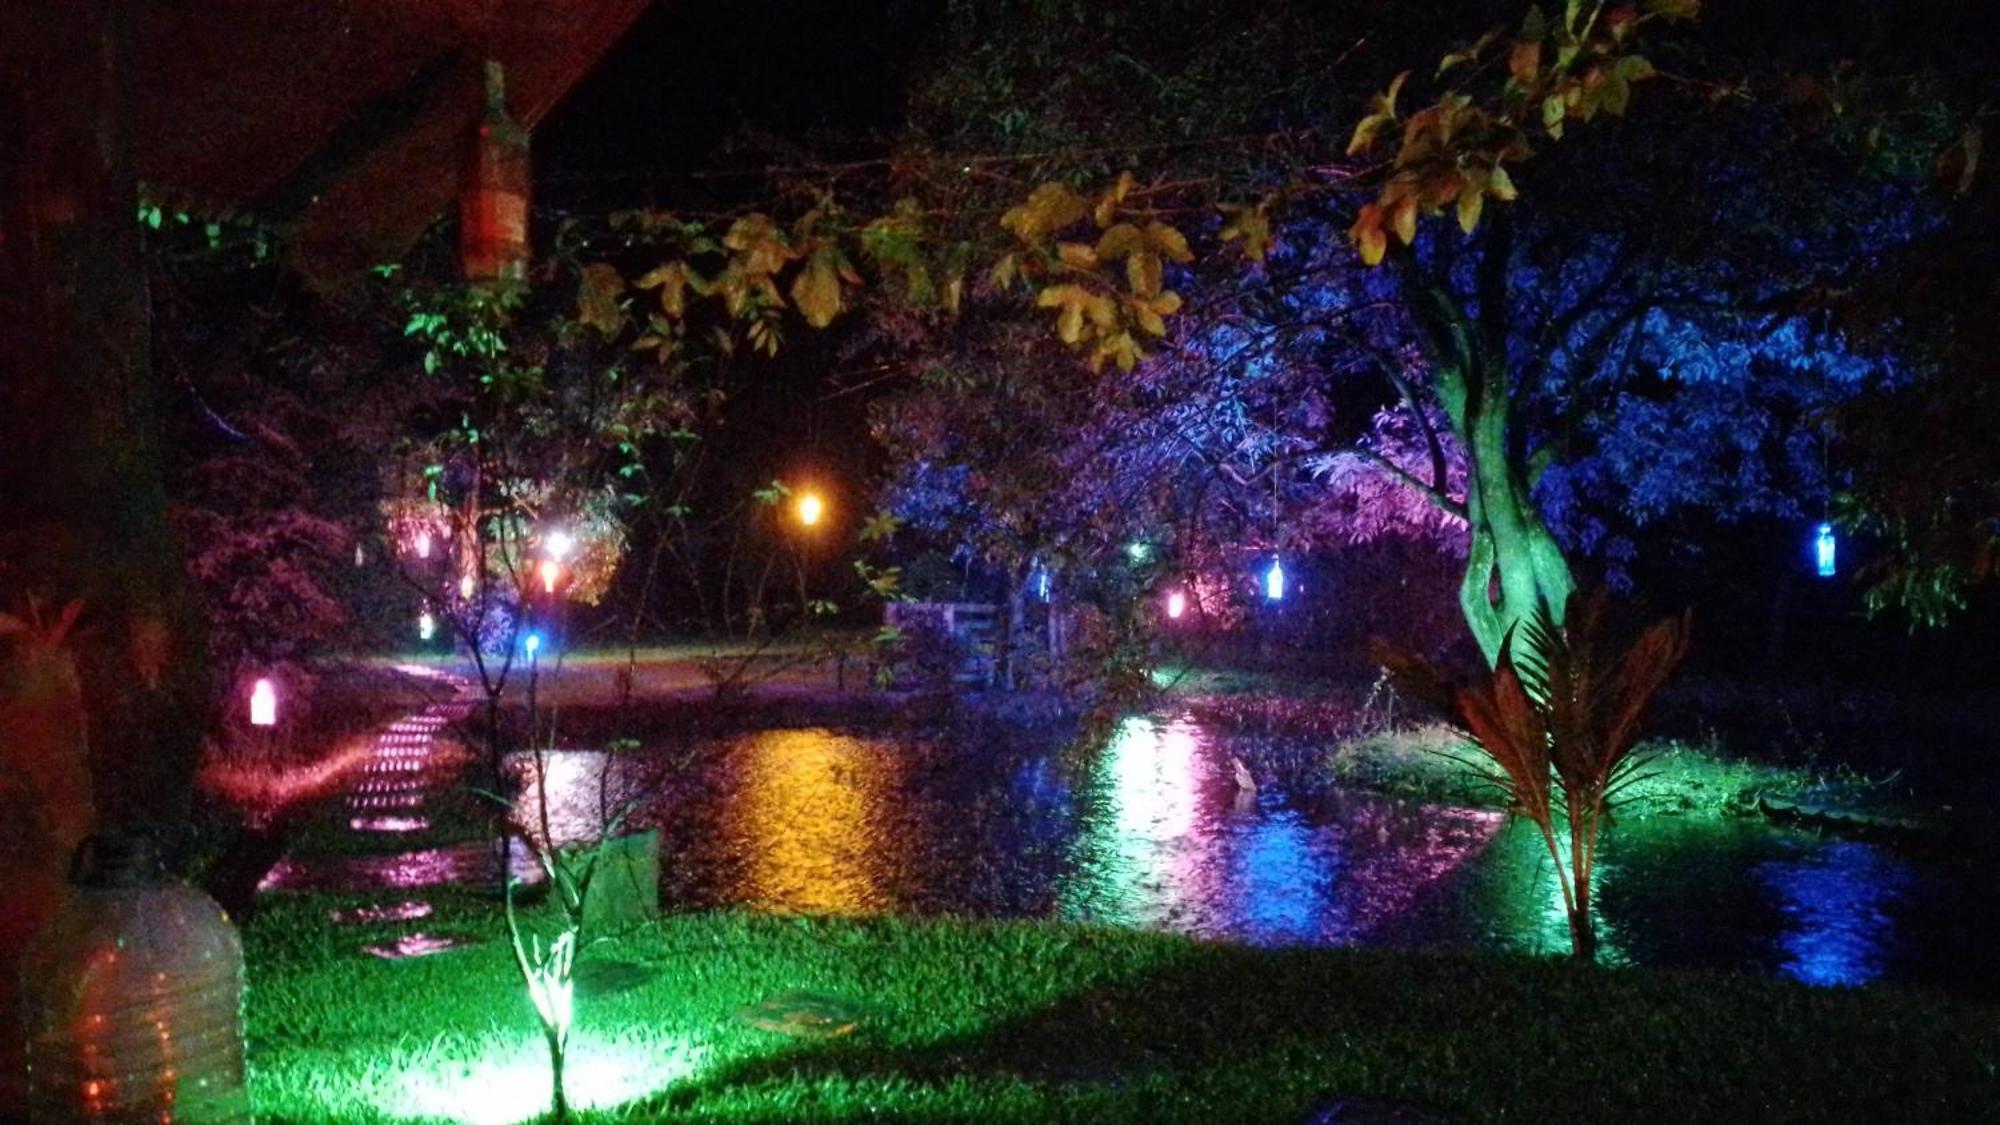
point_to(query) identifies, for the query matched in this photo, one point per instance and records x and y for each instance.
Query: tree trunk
(1582, 930)
(80, 456)
(1513, 563)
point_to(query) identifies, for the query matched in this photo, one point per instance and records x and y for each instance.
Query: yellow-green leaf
(1614, 95)
(1253, 226)
(1674, 9)
(1004, 272)
(1169, 242)
(1119, 241)
(1553, 108)
(1501, 184)
(1077, 255)
(1070, 300)
(1524, 62)
(1633, 68)
(1367, 235)
(759, 243)
(1471, 200)
(1144, 273)
(1048, 209)
(1405, 217)
(1107, 204)
(816, 289)
(672, 279)
(597, 293)
(1121, 348)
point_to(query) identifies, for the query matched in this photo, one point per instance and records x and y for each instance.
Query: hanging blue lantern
(1274, 581)
(1823, 548)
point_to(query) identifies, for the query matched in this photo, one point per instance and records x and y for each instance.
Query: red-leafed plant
(1558, 719)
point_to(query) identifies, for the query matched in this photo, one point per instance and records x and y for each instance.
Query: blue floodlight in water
(1274, 581)
(1823, 550)
(533, 643)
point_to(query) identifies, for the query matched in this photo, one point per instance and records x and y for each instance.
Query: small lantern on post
(1823, 550)
(263, 704)
(493, 214)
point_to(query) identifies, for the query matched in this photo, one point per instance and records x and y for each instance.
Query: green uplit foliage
(1557, 721)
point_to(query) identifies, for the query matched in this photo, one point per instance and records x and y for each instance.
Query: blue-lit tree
(1622, 322)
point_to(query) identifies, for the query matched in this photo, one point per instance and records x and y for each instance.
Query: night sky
(663, 119)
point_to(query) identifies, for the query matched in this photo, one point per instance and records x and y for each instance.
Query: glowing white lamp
(424, 544)
(1274, 581)
(533, 644)
(551, 570)
(559, 545)
(466, 586)
(427, 626)
(263, 704)
(811, 508)
(1823, 550)
(1176, 605)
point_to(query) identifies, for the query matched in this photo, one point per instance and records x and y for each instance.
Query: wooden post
(81, 468)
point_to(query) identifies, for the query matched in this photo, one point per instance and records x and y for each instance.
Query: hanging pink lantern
(424, 544)
(1176, 605)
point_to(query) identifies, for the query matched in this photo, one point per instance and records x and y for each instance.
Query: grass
(964, 1021)
(1430, 763)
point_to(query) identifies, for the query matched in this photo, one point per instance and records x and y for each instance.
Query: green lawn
(1038, 1022)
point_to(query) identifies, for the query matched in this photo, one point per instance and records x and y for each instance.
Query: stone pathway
(392, 795)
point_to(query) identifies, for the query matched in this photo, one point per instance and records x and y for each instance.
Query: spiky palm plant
(1557, 721)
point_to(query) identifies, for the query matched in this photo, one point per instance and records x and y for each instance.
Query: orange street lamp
(551, 570)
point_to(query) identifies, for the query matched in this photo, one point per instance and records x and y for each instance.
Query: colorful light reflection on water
(805, 821)
(1836, 899)
(1153, 830)
(1166, 839)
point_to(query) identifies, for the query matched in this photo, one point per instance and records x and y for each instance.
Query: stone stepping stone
(389, 823)
(382, 912)
(416, 945)
(803, 1015)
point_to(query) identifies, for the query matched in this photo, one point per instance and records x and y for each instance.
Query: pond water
(1154, 831)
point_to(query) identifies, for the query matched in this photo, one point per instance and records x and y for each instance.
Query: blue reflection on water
(1284, 882)
(1837, 898)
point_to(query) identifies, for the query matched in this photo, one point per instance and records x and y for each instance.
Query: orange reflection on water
(808, 821)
